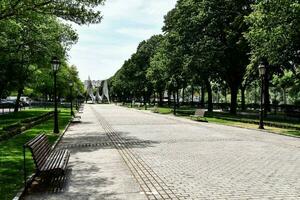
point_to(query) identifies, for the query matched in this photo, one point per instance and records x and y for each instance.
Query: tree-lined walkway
(118, 153)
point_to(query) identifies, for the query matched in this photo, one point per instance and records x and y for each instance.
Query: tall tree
(29, 44)
(274, 36)
(212, 33)
(274, 32)
(78, 11)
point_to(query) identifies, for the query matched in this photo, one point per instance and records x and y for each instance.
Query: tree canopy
(31, 33)
(78, 11)
(207, 43)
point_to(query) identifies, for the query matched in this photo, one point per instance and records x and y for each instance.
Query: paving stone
(211, 161)
(172, 158)
(97, 171)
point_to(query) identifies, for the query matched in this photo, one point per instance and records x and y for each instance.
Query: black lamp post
(77, 92)
(71, 97)
(55, 62)
(174, 96)
(262, 72)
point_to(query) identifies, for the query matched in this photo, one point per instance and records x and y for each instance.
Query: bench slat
(54, 161)
(64, 159)
(45, 159)
(51, 160)
(200, 113)
(40, 149)
(42, 154)
(32, 143)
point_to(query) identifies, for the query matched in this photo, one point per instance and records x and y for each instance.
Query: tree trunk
(243, 98)
(218, 96)
(1, 92)
(169, 98)
(202, 97)
(225, 94)
(284, 96)
(20, 92)
(183, 95)
(178, 103)
(161, 94)
(145, 100)
(266, 91)
(209, 94)
(255, 93)
(174, 102)
(233, 102)
(192, 102)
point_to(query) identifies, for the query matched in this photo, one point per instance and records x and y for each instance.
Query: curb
(21, 193)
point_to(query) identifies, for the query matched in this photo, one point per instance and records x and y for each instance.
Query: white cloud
(103, 48)
(142, 33)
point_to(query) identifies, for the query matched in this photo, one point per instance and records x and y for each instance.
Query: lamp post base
(261, 127)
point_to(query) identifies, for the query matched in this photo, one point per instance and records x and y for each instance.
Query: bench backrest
(200, 112)
(40, 149)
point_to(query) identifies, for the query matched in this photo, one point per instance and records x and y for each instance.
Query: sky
(103, 48)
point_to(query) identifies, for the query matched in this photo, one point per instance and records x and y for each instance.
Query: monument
(97, 91)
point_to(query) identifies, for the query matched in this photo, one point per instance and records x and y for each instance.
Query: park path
(118, 153)
(97, 171)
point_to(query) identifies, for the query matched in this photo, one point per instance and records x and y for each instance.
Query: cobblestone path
(188, 160)
(120, 153)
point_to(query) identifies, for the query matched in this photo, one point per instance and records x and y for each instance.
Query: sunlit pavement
(119, 153)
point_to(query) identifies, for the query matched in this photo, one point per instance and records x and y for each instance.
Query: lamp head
(262, 69)
(55, 62)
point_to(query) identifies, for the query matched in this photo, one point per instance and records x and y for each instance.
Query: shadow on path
(55, 187)
(94, 143)
(85, 172)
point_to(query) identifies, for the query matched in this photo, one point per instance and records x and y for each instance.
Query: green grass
(291, 132)
(228, 119)
(15, 117)
(282, 121)
(165, 110)
(283, 131)
(11, 155)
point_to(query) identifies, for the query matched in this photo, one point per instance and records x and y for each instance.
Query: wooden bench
(80, 110)
(47, 161)
(155, 109)
(199, 115)
(76, 119)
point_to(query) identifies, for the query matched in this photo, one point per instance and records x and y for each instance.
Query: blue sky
(103, 48)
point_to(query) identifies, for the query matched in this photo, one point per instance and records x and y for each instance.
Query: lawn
(15, 117)
(230, 120)
(283, 131)
(11, 154)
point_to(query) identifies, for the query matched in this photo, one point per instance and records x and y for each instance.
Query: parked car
(7, 103)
